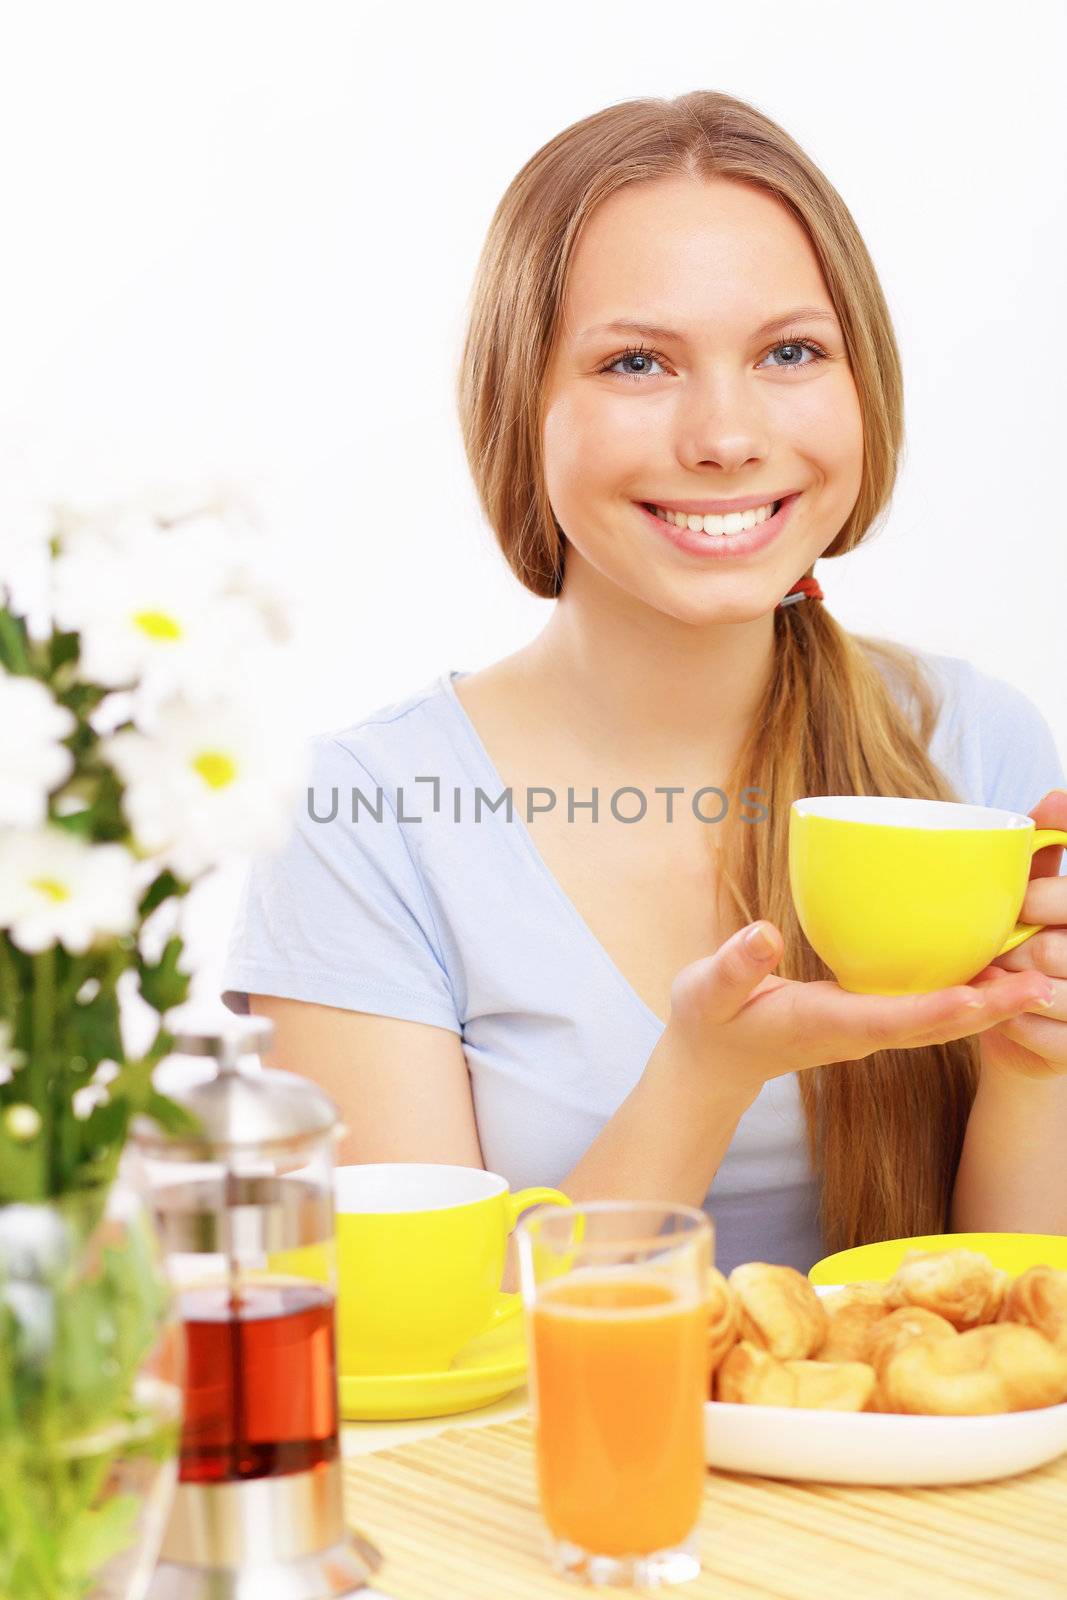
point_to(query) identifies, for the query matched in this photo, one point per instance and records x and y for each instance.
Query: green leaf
(172, 1117)
(160, 889)
(162, 985)
(94, 1029)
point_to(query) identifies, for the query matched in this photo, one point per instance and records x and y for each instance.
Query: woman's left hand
(1034, 1044)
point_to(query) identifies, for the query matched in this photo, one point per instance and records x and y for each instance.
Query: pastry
(1039, 1299)
(850, 1329)
(832, 1386)
(751, 1376)
(724, 1328)
(867, 1294)
(897, 1327)
(960, 1285)
(779, 1310)
(1005, 1367)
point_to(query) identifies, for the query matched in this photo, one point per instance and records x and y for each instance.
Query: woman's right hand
(729, 1008)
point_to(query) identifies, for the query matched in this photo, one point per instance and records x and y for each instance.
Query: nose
(721, 423)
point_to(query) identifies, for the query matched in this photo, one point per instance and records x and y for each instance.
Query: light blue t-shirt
(430, 915)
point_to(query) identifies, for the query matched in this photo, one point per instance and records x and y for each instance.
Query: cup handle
(1023, 930)
(509, 1305)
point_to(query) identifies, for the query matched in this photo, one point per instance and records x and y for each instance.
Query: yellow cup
(420, 1256)
(901, 896)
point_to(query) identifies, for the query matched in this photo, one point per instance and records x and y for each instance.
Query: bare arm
(1011, 1172)
(404, 1094)
(402, 1087)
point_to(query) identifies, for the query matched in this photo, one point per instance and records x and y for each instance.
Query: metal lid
(239, 1106)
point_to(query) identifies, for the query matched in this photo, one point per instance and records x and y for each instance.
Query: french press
(245, 1210)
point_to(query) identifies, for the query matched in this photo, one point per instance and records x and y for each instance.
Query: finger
(1045, 900)
(1043, 1035)
(1043, 952)
(872, 1022)
(1050, 812)
(728, 977)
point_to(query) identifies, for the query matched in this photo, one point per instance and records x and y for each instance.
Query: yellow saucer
(488, 1368)
(876, 1263)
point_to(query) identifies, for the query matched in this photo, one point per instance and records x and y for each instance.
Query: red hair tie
(804, 588)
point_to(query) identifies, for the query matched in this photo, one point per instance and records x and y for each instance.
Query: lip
(720, 508)
(724, 547)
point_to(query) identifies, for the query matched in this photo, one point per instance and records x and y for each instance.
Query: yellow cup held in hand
(420, 1258)
(901, 896)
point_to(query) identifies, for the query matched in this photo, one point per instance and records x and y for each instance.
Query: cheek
(590, 443)
(825, 426)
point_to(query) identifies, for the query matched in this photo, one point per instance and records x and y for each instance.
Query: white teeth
(735, 522)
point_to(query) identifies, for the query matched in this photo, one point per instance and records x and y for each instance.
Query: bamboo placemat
(456, 1518)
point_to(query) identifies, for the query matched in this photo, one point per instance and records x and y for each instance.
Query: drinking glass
(617, 1322)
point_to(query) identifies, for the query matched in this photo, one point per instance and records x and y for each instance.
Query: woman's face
(723, 407)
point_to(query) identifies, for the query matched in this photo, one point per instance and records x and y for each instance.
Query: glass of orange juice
(617, 1324)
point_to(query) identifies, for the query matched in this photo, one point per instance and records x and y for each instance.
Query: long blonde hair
(884, 1132)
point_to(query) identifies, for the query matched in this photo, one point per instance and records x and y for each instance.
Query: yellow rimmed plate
(876, 1263)
(486, 1369)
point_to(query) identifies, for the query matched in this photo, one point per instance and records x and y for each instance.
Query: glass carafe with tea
(245, 1209)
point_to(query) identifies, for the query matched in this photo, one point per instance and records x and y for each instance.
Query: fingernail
(758, 942)
(974, 1002)
(1046, 999)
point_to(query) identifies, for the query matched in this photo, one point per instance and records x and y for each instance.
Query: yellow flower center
(51, 887)
(215, 767)
(157, 625)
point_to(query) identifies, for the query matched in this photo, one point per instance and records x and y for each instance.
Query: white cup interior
(396, 1186)
(903, 811)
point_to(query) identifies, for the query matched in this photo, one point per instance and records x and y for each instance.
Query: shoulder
(389, 742)
(991, 736)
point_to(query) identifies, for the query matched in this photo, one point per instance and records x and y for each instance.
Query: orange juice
(619, 1377)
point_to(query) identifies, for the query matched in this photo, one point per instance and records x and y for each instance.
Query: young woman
(674, 318)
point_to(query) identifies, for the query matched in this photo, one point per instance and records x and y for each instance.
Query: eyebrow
(649, 331)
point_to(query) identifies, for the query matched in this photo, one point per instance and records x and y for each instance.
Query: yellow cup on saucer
(901, 896)
(420, 1256)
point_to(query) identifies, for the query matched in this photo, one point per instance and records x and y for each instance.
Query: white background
(240, 238)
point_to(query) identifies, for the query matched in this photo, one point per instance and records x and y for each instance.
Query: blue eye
(818, 353)
(641, 353)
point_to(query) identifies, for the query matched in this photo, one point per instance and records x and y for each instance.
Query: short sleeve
(1020, 760)
(338, 915)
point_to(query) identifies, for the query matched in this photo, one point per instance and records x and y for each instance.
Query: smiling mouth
(717, 527)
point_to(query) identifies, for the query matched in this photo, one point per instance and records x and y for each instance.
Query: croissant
(1005, 1367)
(1039, 1299)
(779, 1310)
(960, 1285)
(751, 1376)
(832, 1386)
(725, 1325)
(866, 1294)
(850, 1329)
(896, 1328)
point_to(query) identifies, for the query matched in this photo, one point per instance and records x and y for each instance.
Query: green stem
(38, 1068)
(12, 645)
(9, 987)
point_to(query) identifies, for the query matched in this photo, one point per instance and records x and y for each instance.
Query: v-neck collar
(518, 832)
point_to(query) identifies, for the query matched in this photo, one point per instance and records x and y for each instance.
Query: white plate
(879, 1447)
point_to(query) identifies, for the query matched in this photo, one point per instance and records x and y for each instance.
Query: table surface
(360, 1438)
(909, 1516)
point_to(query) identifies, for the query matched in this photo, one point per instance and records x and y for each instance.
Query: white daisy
(209, 778)
(32, 760)
(150, 606)
(57, 888)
